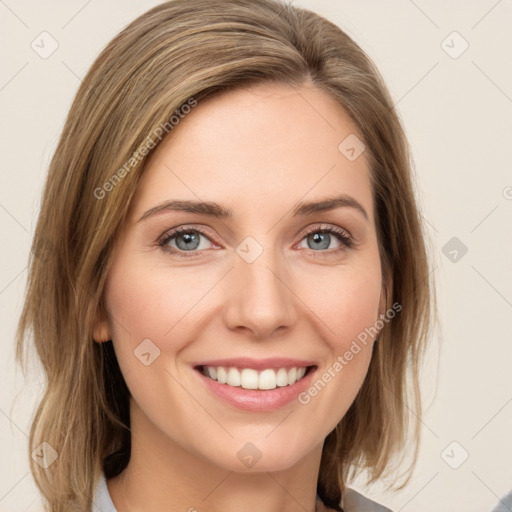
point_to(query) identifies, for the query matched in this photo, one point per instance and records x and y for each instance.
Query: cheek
(143, 306)
(153, 315)
(139, 313)
(346, 301)
(348, 308)
(144, 302)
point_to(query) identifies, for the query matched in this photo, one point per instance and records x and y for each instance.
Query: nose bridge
(259, 297)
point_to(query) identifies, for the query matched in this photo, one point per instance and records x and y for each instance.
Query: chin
(259, 456)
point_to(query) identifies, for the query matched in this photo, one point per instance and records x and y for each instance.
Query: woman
(235, 286)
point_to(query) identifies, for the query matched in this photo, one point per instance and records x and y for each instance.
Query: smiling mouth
(249, 378)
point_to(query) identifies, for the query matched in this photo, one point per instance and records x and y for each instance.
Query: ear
(101, 330)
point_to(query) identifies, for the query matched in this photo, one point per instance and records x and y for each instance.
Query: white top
(102, 501)
(354, 502)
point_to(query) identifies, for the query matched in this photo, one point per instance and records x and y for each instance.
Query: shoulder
(356, 502)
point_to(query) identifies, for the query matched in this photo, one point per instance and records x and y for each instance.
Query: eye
(182, 240)
(320, 238)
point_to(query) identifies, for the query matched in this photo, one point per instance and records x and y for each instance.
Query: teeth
(233, 377)
(267, 379)
(282, 377)
(222, 376)
(249, 378)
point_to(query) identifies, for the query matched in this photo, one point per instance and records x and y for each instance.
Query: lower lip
(258, 400)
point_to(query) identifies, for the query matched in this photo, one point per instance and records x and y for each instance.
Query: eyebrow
(218, 211)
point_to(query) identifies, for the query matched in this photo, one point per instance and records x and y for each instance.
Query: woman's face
(263, 283)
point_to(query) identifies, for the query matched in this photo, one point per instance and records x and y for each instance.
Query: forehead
(266, 146)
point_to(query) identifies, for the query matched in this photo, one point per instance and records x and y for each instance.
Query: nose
(260, 297)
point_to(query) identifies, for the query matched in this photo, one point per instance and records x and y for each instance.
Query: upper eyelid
(170, 233)
(324, 226)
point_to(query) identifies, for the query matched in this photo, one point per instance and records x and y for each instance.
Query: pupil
(319, 238)
(188, 239)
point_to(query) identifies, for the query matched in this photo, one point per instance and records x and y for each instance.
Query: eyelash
(341, 235)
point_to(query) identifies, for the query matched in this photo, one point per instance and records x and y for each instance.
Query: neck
(163, 475)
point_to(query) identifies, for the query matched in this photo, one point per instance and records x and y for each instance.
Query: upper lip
(257, 364)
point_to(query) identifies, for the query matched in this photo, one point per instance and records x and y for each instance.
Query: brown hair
(179, 50)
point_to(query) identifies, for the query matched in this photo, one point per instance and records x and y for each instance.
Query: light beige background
(457, 113)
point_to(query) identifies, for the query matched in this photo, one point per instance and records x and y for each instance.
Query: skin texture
(258, 151)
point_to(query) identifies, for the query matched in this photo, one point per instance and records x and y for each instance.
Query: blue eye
(187, 241)
(321, 237)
